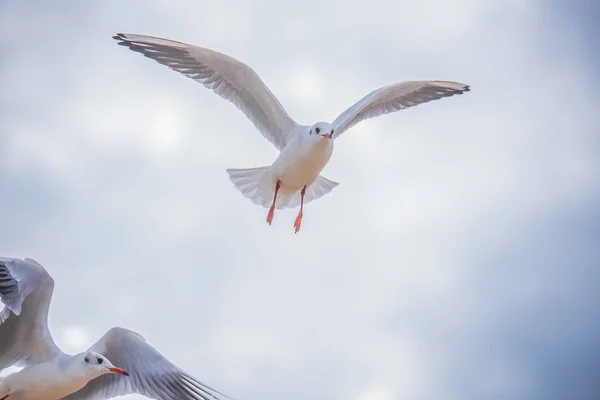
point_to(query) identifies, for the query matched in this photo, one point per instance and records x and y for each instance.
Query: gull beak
(327, 135)
(119, 371)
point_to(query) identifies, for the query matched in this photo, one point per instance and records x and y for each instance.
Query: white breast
(300, 162)
(45, 381)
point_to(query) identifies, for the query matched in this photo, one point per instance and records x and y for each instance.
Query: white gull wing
(150, 373)
(393, 98)
(224, 75)
(26, 290)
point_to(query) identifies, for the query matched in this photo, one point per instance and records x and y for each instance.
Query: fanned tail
(255, 183)
(258, 184)
(320, 187)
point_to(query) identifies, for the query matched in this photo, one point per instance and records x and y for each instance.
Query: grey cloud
(456, 259)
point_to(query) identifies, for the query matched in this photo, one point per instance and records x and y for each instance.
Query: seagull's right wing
(224, 75)
(392, 98)
(150, 373)
(25, 289)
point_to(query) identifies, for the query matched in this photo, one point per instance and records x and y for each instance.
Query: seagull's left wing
(229, 78)
(26, 290)
(393, 98)
(150, 373)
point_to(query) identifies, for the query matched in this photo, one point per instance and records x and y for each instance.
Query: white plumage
(49, 374)
(293, 179)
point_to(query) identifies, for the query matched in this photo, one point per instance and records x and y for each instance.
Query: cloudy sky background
(457, 259)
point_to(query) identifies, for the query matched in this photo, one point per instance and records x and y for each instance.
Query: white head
(95, 364)
(321, 130)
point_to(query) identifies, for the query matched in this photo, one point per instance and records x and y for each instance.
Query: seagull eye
(87, 360)
(99, 360)
(318, 130)
(332, 131)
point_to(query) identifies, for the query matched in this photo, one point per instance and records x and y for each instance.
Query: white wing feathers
(393, 98)
(26, 290)
(150, 373)
(224, 75)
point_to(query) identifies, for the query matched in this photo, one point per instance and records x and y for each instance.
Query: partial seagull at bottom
(120, 363)
(294, 177)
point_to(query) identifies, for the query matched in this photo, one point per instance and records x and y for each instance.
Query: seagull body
(49, 374)
(300, 162)
(293, 179)
(45, 381)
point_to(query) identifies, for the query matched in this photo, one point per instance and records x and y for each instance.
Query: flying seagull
(293, 179)
(120, 363)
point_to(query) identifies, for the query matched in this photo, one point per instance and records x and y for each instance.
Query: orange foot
(272, 209)
(297, 223)
(270, 215)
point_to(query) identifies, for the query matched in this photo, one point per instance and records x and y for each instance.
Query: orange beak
(327, 135)
(118, 371)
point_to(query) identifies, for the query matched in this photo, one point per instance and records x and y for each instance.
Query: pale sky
(457, 259)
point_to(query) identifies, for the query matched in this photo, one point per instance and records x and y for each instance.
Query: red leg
(298, 220)
(272, 209)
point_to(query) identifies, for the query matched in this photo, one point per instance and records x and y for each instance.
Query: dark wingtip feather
(8, 284)
(122, 38)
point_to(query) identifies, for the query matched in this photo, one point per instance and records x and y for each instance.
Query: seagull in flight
(49, 374)
(293, 179)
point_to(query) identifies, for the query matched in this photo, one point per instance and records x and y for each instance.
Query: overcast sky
(457, 259)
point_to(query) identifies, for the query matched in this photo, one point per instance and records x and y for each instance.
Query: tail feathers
(255, 183)
(320, 187)
(258, 184)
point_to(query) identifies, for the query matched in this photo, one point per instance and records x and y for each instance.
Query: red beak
(327, 135)
(118, 371)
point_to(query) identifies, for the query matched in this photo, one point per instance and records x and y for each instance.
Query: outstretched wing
(150, 373)
(393, 98)
(26, 290)
(224, 75)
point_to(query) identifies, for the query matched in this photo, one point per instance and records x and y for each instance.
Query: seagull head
(321, 130)
(96, 364)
